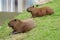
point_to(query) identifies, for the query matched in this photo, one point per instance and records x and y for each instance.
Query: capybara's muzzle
(10, 25)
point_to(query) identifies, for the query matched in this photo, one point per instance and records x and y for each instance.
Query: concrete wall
(4, 16)
(9, 6)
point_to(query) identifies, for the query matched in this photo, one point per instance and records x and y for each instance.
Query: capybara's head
(30, 8)
(14, 22)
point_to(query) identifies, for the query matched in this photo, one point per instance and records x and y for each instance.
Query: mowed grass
(47, 27)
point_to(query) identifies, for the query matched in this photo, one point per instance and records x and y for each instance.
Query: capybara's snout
(10, 25)
(12, 22)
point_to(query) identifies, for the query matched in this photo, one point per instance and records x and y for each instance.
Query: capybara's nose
(10, 25)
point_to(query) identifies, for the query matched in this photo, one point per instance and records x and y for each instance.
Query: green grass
(47, 27)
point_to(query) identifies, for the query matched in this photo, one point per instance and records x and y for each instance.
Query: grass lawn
(47, 27)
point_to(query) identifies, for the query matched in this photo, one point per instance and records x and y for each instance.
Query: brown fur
(21, 26)
(38, 12)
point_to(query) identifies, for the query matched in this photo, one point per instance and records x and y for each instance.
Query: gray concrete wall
(4, 16)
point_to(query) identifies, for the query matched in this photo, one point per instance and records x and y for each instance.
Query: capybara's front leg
(33, 15)
(14, 32)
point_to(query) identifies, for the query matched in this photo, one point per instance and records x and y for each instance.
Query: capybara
(21, 26)
(38, 12)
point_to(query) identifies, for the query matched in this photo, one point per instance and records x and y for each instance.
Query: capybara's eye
(15, 20)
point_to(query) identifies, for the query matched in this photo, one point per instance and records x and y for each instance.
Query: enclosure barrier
(9, 6)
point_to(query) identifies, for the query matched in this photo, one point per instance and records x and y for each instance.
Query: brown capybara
(38, 12)
(21, 26)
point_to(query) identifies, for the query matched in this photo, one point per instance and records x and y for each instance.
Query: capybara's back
(29, 24)
(49, 10)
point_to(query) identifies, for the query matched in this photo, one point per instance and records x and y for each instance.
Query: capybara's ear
(33, 6)
(15, 19)
(37, 5)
